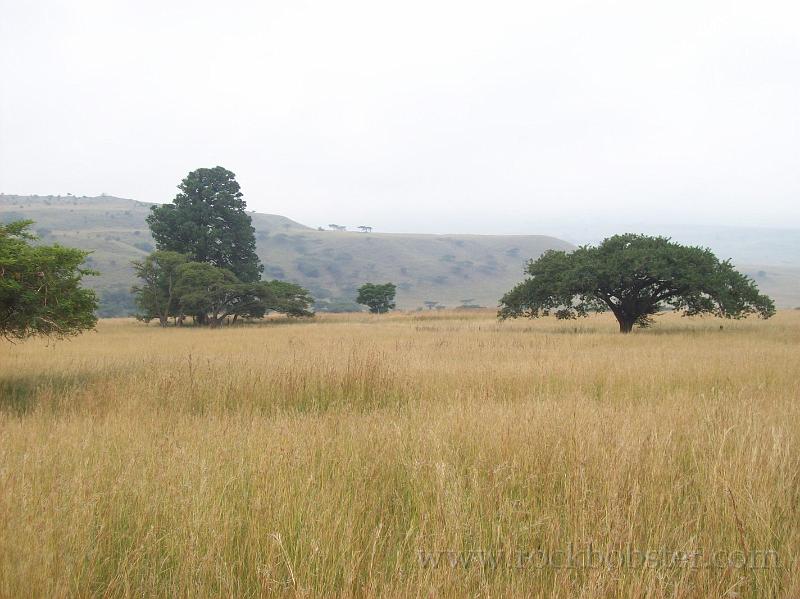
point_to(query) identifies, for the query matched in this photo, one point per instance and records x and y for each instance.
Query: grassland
(322, 458)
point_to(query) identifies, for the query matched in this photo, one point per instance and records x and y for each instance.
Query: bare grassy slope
(445, 269)
(321, 458)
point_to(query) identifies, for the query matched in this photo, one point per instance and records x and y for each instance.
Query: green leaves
(156, 297)
(287, 298)
(379, 298)
(207, 265)
(40, 292)
(634, 276)
(172, 286)
(207, 222)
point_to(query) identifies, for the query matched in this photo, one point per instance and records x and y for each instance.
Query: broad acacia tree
(207, 222)
(40, 287)
(634, 276)
(378, 298)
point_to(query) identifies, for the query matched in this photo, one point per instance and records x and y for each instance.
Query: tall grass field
(428, 454)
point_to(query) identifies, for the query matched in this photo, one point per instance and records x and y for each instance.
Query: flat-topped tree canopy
(634, 276)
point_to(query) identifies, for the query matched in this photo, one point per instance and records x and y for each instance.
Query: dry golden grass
(321, 458)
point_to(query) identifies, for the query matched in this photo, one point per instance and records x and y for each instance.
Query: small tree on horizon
(634, 276)
(378, 298)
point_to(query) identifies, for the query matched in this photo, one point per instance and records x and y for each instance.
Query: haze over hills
(451, 270)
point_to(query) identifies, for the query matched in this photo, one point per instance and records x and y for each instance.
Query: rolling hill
(448, 269)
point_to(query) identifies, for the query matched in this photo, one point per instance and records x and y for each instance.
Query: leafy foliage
(209, 293)
(378, 298)
(172, 286)
(207, 266)
(634, 276)
(207, 222)
(287, 298)
(40, 287)
(156, 297)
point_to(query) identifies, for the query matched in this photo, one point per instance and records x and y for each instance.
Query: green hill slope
(448, 269)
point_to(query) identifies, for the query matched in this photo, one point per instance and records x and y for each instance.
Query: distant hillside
(449, 269)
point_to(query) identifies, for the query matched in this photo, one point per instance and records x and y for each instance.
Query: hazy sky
(490, 117)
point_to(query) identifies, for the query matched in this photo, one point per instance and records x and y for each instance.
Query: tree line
(174, 286)
(205, 268)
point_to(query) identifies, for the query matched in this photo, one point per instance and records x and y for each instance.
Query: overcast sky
(485, 117)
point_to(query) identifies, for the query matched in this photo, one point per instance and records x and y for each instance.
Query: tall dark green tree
(634, 276)
(378, 298)
(40, 287)
(207, 222)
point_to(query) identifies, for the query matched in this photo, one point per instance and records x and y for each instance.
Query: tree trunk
(625, 323)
